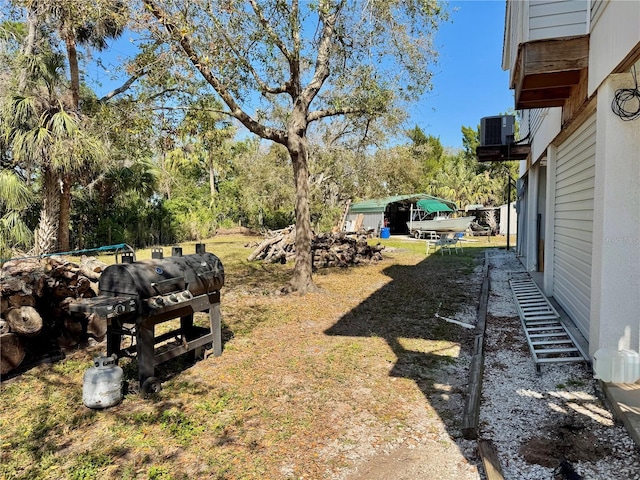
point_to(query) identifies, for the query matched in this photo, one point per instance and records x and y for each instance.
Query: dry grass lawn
(306, 387)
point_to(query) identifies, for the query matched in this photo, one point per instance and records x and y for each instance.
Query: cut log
(24, 321)
(335, 249)
(92, 263)
(97, 326)
(4, 305)
(19, 300)
(11, 352)
(89, 273)
(4, 327)
(263, 246)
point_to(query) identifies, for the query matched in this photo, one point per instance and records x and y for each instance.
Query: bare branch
(324, 52)
(242, 59)
(272, 35)
(333, 112)
(124, 87)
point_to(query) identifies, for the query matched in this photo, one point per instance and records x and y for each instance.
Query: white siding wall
(573, 224)
(615, 32)
(557, 19)
(542, 124)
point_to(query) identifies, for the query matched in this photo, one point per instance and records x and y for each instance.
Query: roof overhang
(547, 70)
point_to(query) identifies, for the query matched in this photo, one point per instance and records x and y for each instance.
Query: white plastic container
(603, 364)
(616, 366)
(102, 383)
(627, 367)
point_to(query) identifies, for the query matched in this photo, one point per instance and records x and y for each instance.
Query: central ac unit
(499, 130)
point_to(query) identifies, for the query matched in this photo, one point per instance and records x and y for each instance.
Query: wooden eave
(503, 153)
(547, 70)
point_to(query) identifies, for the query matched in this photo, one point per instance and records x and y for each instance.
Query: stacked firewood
(334, 249)
(34, 313)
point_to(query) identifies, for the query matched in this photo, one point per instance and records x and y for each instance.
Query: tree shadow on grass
(430, 351)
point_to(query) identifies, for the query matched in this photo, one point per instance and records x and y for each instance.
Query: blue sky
(468, 81)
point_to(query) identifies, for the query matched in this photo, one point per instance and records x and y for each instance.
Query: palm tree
(15, 197)
(43, 136)
(88, 23)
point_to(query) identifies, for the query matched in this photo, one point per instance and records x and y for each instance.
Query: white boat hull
(459, 224)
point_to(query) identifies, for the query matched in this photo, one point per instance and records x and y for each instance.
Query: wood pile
(335, 249)
(34, 314)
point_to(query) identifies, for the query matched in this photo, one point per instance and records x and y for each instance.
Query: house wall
(615, 284)
(549, 126)
(615, 32)
(558, 19)
(573, 222)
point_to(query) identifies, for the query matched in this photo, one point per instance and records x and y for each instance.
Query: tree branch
(124, 87)
(241, 59)
(324, 52)
(267, 27)
(333, 112)
(234, 109)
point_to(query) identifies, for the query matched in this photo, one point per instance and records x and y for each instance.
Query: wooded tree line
(165, 157)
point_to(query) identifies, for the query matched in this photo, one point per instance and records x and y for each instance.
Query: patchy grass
(304, 384)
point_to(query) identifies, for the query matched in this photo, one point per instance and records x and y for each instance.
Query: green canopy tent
(392, 211)
(433, 205)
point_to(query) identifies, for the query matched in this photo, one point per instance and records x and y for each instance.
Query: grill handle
(168, 281)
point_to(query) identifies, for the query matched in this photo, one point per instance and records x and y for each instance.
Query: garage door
(573, 232)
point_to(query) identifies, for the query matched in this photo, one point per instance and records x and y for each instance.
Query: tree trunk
(29, 45)
(301, 280)
(212, 180)
(74, 73)
(47, 233)
(65, 214)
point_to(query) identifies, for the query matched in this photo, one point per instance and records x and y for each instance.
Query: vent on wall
(497, 130)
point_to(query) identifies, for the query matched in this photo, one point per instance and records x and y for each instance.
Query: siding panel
(557, 19)
(573, 224)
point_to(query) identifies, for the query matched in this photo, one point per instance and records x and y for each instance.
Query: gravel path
(537, 421)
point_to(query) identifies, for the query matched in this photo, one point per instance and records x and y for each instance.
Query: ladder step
(536, 308)
(548, 335)
(560, 359)
(553, 342)
(547, 318)
(542, 321)
(556, 350)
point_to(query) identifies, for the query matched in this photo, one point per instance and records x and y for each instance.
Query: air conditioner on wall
(498, 130)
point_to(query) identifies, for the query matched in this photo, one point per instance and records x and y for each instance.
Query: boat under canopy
(435, 216)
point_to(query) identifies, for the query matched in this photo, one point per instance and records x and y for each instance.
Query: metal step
(549, 341)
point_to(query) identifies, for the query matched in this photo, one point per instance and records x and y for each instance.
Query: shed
(392, 212)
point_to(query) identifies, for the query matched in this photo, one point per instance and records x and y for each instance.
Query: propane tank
(102, 383)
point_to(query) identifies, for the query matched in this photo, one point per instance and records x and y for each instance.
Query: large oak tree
(280, 65)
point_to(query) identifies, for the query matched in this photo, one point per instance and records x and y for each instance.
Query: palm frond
(14, 195)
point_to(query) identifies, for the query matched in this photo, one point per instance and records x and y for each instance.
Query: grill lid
(198, 273)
